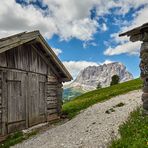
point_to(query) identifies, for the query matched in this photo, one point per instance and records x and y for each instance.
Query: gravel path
(93, 128)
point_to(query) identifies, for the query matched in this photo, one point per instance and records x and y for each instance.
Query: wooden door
(16, 94)
(36, 99)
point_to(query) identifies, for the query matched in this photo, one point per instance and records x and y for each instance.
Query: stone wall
(144, 74)
(0, 102)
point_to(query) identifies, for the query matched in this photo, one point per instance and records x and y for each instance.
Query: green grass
(134, 133)
(16, 138)
(73, 107)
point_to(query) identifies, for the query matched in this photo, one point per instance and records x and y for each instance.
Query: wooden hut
(31, 79)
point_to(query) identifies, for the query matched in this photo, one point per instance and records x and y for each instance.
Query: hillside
(74, 106)
(70, 93)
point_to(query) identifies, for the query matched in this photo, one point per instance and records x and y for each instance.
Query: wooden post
(4, 104)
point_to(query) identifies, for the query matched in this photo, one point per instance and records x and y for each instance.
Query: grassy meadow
(73, 107)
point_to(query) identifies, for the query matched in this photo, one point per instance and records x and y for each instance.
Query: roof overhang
(137, 34)
(35, 36)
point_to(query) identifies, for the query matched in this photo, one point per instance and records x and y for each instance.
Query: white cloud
(74, 67)
(124, 45)
(87, 43)
(129, 47)
(66, 18)
(106, 62)
(14, 19)
(57, 51)
(104, 27)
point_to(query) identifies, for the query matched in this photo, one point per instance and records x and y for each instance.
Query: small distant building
(31, 77)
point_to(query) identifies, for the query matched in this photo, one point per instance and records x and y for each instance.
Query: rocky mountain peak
(89, 78)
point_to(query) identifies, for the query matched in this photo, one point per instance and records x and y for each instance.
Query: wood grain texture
(24, 58)
(30, 90)
(36, 99)
(16, 92)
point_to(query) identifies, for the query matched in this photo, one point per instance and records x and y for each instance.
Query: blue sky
(82, 33)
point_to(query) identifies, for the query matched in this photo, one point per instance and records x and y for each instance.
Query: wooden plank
(59, 98)
(52, 111)
(16, 101)
(50, 99)
(16, 126)
(52, 93)
(36, 99)
(52, 80)
(24, 58)
(3, 62)
(9, 42)
(41, 98)
(51, 106)
(42, 61)
(5, 48)
(37, 62)
(54, 58)
(4, 103)
(52, 117)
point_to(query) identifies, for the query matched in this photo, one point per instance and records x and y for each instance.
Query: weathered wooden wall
(16, 96)
(24, 58)
(31, 92)
(52, 93)
(36, 99)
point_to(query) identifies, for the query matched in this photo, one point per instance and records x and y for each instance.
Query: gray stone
(89, 78)
(145, 97)
(145, 89)
(145, 105)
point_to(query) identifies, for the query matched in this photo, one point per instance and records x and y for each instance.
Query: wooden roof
(136, 31)
(25, 37)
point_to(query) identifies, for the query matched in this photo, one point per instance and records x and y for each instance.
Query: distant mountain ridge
(89, 78)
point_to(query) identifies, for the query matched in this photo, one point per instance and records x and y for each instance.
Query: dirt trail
(93, 128)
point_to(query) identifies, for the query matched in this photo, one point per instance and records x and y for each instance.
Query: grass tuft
(134, 132)
(16, 138)
(73, 107)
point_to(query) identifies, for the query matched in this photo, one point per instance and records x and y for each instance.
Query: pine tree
(115, 80)
(99, 86)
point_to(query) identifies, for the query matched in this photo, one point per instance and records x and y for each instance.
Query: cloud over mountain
(66, 18)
